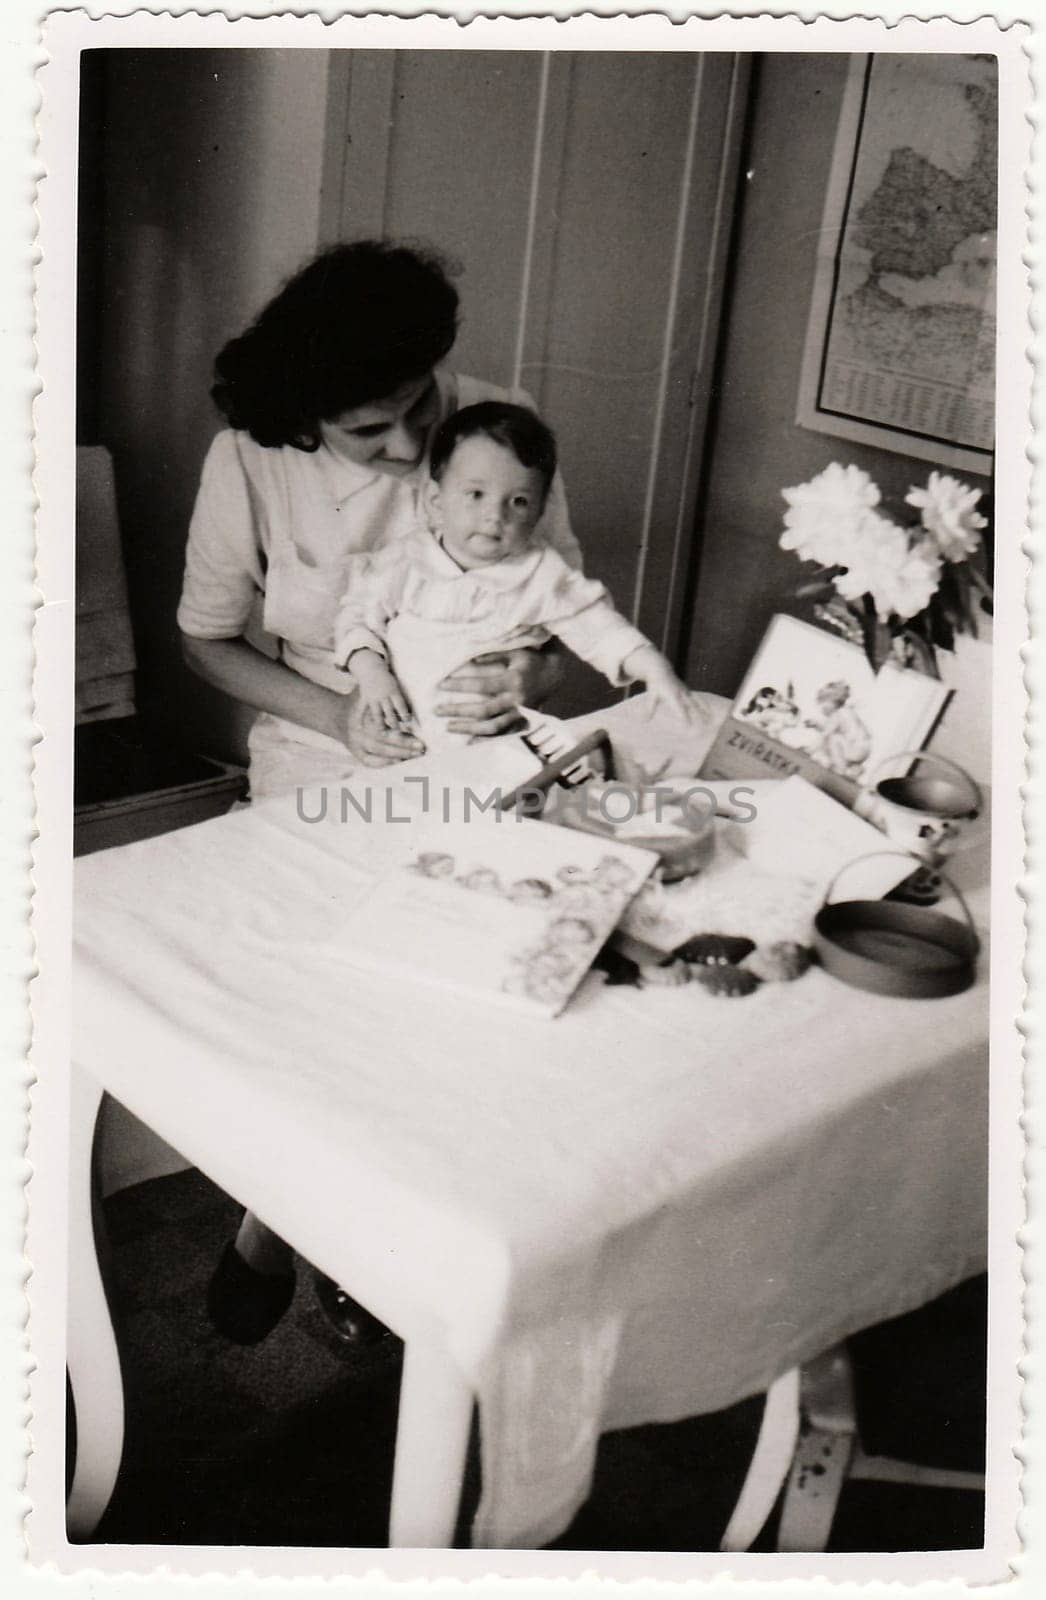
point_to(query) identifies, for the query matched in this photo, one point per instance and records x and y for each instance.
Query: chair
(105, 659)
(809, 1436)
(130, 781)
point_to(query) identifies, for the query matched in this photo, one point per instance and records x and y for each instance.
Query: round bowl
(891, 948)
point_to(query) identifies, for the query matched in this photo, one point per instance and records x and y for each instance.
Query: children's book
(810, 704)
(508, 909)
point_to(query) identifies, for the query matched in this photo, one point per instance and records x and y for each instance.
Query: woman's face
(388, 435)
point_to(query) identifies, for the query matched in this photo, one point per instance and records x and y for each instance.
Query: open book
(498, 907)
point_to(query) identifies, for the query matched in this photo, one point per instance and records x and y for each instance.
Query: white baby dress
(413, 604)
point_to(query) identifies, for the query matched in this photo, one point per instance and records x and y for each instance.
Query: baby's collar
(505, 574)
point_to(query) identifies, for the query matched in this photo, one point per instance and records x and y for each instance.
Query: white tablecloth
(645, 1209)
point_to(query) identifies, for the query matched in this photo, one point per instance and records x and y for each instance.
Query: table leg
(432, 1433)
(91, 1354)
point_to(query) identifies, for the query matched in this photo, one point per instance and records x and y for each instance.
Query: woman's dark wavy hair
(531, 442)
(353, 326)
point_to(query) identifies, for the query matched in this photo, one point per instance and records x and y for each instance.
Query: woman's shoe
(243, 1304)
(353, 1323)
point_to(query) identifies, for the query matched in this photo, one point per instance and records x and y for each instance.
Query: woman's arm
(244, 673)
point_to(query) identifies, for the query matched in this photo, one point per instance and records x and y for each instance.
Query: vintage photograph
(527, 499)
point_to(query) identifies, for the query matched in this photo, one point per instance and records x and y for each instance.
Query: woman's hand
(243, 672)
(484, 696)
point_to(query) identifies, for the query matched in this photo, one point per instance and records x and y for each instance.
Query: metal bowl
(890, 948)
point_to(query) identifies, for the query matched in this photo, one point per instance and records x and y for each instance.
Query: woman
(331, 396)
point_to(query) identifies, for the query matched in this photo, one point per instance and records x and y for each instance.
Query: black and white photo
(527, 1032)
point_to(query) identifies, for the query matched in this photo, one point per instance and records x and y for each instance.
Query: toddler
(474, 581)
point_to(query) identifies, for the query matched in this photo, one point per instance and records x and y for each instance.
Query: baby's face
(487, 503)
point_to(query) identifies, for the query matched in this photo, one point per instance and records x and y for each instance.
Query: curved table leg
(771, 1459)
(432, 1434)
(91, 1353)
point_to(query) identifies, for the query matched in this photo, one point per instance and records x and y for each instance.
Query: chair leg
(826, 1446)
(774, 1450)
(885, 1469)
(91, 1354)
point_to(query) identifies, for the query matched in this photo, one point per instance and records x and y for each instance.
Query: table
(649, 1208)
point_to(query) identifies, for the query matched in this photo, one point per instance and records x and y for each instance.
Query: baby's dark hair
(356, 324)
(514, 427)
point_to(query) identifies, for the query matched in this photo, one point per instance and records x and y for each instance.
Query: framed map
(900, 345)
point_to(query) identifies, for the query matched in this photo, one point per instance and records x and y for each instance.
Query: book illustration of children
(569, 933)
(470, 579)
(483, 880)
(608, 874)
(611, 876)
(775, 713)
(529, 889)
(547, 976)
(844, 741)
(548, 971)
(573, 891)
(434, 864)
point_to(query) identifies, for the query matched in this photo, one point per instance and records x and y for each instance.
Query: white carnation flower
(948, 515)
(902, 579)
(823, 515)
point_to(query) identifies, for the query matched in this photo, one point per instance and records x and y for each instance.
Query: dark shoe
(243, 1304)
(352, 1322)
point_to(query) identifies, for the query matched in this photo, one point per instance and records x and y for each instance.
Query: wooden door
(587, 196)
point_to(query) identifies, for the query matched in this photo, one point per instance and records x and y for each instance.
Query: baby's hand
(379, 689)
(662, 683)
(674, 694)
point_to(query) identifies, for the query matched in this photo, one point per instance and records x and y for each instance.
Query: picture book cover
(510, 910)
(811, 704)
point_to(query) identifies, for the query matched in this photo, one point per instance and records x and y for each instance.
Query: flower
(900, 589)
(824, 515)
(948, 515)
(901, 578)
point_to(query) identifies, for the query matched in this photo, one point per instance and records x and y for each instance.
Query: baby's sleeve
(371, 599)
(224, 569)
(583, 615)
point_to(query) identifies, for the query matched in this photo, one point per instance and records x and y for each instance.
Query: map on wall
(900, 346)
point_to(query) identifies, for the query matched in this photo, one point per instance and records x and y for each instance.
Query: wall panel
(582, 193)
(459, 175)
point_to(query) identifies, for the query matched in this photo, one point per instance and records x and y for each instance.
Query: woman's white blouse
(282, 526)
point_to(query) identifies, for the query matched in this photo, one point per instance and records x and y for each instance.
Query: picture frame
(900, 338)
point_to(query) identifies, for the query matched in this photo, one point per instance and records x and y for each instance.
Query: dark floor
(290, 1443)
